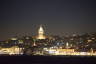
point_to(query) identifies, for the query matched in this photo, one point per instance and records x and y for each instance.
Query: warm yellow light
(41, 33)
(13, 38)
(89, 40)
(11, 51)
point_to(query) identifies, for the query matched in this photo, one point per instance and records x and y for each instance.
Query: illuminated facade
(69, 52)
(11, 51)
(41, 33)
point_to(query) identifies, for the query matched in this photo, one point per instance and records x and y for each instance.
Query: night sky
(58, 17)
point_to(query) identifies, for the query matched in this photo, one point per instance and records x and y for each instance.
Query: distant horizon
(64, 34)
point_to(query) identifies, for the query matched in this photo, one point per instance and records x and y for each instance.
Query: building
(11, 50)
(41, 33)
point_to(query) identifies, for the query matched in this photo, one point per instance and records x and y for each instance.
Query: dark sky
(20, 17)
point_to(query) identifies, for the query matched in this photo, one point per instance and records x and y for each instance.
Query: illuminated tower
(41, 33)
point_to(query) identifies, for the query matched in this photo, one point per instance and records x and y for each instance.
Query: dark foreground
(47, 60)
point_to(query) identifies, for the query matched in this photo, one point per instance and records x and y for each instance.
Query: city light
(83, 45)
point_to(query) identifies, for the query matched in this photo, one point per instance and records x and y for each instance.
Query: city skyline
(58, 17)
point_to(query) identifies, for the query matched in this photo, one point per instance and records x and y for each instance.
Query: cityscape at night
(44, 31)
(42, 44)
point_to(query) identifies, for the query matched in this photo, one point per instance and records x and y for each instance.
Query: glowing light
(89, 40)
(21, 41)
(13, 38)
(41, 33)
(11, 51)
(92, 38)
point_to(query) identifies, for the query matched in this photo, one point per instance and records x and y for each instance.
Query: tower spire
(41, 33)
